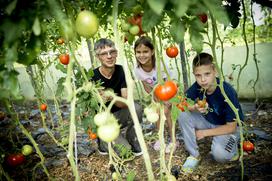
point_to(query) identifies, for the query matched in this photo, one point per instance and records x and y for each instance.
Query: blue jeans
(224, 147)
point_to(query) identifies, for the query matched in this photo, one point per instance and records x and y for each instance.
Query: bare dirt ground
(92, 166)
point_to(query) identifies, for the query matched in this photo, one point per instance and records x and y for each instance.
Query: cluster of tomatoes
(16, 159)
(86, 25)
(183, 104)
(132, 27)
(108, 127)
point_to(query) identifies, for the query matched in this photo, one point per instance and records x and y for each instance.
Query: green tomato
(114, 176)
(171, 178)
(125, 26)
(86, 24)
(103, 118)
(134, 30)
(27, 150)
(108, 132)
(152, 117)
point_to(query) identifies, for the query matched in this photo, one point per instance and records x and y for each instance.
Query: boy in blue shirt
(215, 118)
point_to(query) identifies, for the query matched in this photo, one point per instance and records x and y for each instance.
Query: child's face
(205, 76)
(144, 54)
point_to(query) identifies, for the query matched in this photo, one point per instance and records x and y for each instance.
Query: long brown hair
(146, 41)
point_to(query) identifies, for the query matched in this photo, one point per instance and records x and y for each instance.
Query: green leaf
(181, 8)
(36, 28)
(218, 11)
(9, 84)
(61, 68)
(150, 19)
(196, 39)
(60, 86)
(11, 7)
(157, 6)
(11, 56)
(177, 30)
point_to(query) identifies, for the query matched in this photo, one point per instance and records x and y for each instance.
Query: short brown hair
(202, 59)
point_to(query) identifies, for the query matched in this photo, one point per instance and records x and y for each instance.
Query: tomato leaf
(150, 19)
(11, 7)
(177, 30)
(61, 68)
(181, 8)
(217, 11)
(157, 6)
(60, 86)
(196, 40)
(36, 28)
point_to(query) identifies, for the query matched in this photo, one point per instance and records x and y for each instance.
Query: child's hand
(202, 109)
(200, 134)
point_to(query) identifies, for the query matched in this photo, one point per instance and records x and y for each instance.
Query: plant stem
(234, 109)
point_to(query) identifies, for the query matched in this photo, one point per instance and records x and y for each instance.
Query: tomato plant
(15, 159)
(108, 132)
(248, 146)
(27, 150)
(43, 107)
(64, 59)
(60, 41)
(166, 91)
(202, 103)
(172, 51)
(203, 18)
(86, 24)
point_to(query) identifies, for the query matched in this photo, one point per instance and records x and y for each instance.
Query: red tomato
(248, 146)
(92, 135)
(60, 41)
(172, 51)
(43, 107)
(166, 91)
(203, 17)
(15, 159)
(64, 59)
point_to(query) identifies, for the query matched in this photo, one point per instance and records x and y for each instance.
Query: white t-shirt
(149, 77)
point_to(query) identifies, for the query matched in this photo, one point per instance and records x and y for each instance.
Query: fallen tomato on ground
(43, 107)
(64, 59)
(248, 146)
(15, 159)
(166, 91)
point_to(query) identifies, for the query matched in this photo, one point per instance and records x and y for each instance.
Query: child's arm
(228, 128)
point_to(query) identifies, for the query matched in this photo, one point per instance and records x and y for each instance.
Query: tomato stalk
(163, 168)
(234, 109)
(14, 115)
